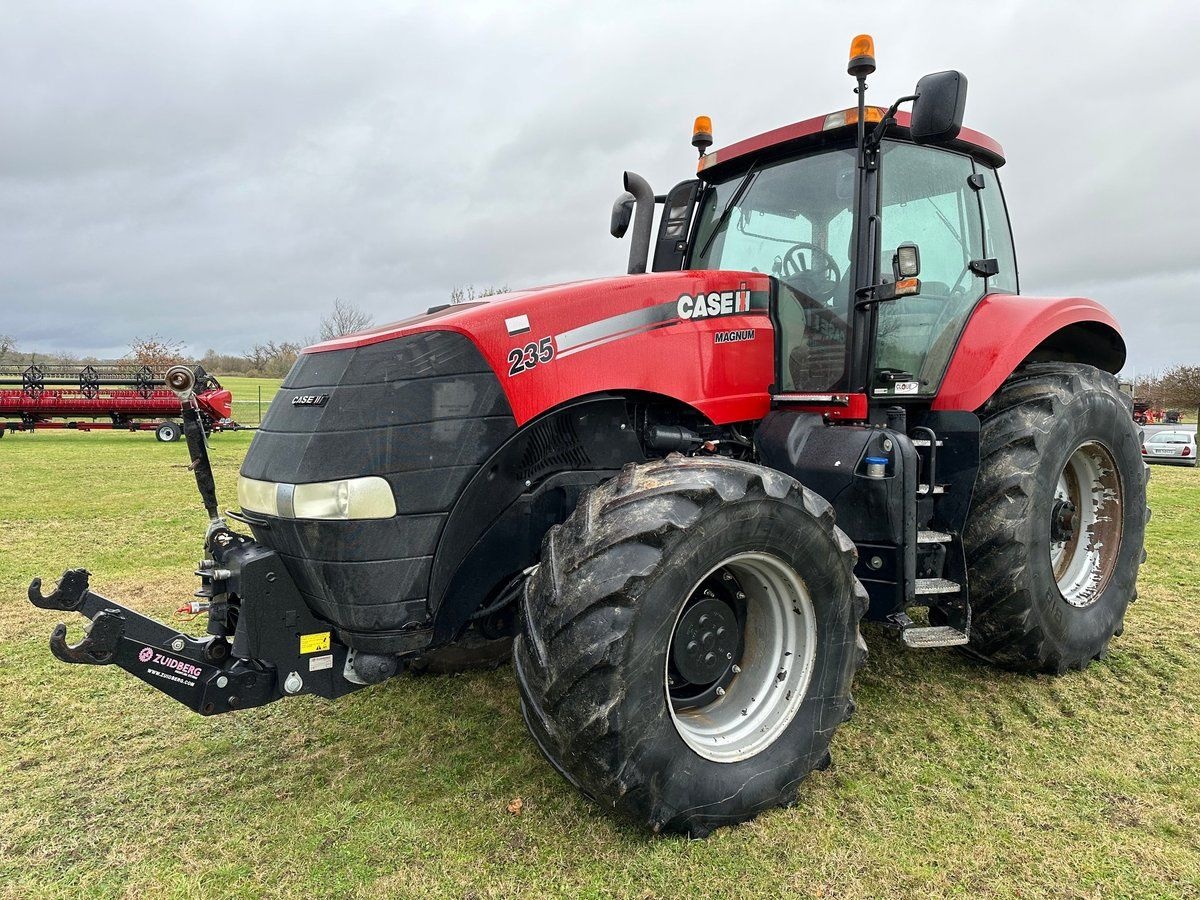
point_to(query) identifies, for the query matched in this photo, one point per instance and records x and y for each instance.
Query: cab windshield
(793, 219)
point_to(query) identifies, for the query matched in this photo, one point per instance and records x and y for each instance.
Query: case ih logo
(310, 400)
(703, 306)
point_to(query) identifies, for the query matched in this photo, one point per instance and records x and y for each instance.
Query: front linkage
(278, 647)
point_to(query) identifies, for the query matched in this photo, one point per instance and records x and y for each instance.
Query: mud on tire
(1054, 430)
(598, 616)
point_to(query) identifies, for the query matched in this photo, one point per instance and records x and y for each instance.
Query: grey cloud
(221, 172)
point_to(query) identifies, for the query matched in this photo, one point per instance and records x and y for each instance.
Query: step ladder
(923, 637)
(932, 635)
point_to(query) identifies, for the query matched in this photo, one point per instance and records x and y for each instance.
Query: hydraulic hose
(182, 381)
(193, 430)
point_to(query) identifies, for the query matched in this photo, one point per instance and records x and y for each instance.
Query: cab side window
(996, 234)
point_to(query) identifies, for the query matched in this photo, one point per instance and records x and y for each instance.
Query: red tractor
(683, 488)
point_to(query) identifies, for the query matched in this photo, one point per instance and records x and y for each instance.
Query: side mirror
(622, 214)
(937, 113)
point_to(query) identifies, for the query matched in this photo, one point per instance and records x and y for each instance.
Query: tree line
(1177, 387)
(264, 358)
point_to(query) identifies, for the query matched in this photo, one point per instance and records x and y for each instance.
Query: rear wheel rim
(771, 660)
(1086, 523)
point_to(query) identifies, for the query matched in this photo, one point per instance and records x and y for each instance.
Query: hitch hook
(98, 646)
(67, 596)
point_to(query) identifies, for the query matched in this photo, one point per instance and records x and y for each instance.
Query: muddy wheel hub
(706, 640)
(1086, 524)
(1062, 521)
(746, 637)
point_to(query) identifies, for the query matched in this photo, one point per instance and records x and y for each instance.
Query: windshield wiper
(737, 195)
(941, 215)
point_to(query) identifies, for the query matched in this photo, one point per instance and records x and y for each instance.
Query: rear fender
(1007, 330)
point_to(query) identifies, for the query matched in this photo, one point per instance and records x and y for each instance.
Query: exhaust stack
(643, 219)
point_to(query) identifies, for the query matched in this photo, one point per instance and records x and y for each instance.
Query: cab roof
(832, 129)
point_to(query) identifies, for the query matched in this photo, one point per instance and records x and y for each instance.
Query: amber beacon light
(702, 136)
(862, 56)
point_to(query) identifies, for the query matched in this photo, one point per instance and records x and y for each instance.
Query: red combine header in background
(128, 398)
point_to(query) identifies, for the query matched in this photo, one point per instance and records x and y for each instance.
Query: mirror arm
(888, 290)
(889, 118)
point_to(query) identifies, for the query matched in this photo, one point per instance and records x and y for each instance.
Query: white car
(1175, 447)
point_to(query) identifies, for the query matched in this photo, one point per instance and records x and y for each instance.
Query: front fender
(1006, 330)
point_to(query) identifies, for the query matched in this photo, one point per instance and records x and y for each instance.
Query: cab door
(952, 208)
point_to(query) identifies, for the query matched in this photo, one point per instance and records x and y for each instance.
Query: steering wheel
(819, 281)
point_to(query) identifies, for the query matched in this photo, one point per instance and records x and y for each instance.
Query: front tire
(688, 642)
(1055, 534)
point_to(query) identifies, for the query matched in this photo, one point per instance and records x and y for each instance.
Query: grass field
(246, 406)
(952, 779)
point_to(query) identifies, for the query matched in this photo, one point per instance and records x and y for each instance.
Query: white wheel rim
(776, 664)
(1083, 562)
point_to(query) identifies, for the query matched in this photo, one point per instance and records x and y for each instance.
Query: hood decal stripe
(632, 321)
(635, 321)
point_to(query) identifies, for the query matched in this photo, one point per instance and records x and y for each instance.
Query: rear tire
(1055, 534)
(608, 616)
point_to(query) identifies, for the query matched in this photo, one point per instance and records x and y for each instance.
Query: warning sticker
(314, 643)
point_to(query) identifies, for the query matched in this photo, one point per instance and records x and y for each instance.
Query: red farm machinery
(817, 396)
(98, 397)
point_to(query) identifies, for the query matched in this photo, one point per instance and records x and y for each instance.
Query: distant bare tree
(467, 294)
(156, 352)
(346, 318)
(1149, 388)
(224, 363)
(1181, 386)
(8, 344)
(272, 359)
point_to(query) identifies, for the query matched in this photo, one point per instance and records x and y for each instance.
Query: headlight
(348, 498)
(352, 498)
(257, 496)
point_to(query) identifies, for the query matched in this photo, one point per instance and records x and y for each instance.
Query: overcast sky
(220, 172)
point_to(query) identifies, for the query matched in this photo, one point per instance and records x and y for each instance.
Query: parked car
(1175, 447)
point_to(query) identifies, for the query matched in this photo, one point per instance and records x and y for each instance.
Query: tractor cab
(793, 217)
(844, 211)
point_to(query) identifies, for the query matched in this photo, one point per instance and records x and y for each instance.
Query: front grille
(423, 412)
